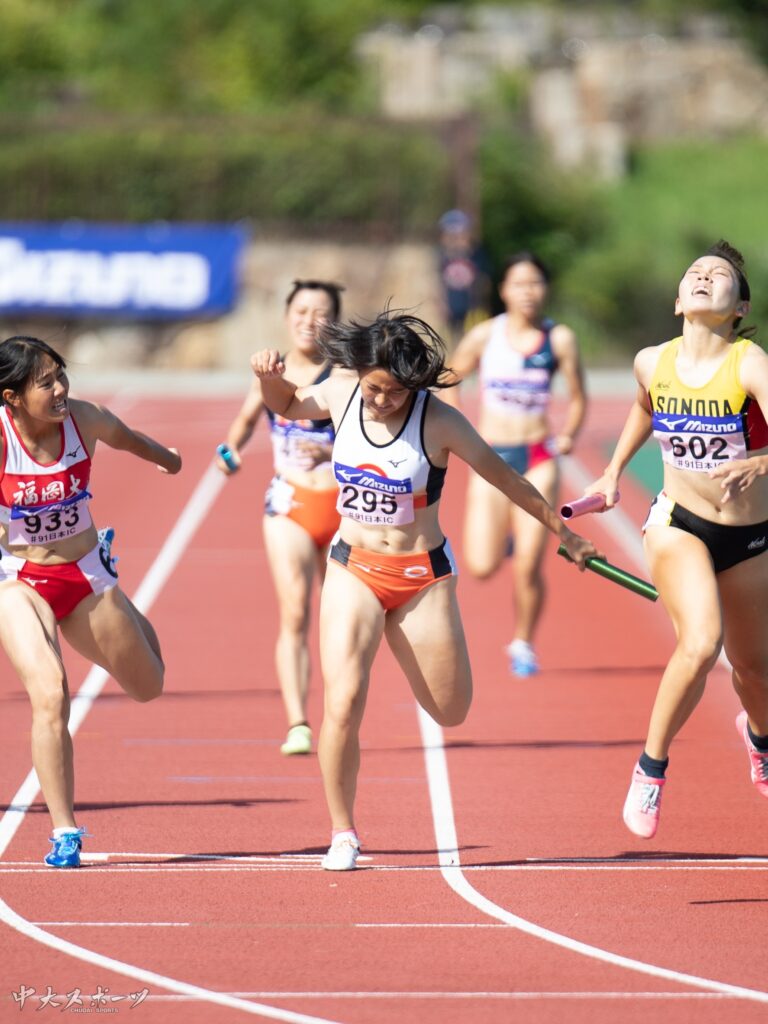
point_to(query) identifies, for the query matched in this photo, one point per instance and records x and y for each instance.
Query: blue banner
(147, 271)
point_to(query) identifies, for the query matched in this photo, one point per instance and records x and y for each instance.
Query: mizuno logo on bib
(699, 442)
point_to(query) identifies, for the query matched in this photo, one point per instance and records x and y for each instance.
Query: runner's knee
(701, 651)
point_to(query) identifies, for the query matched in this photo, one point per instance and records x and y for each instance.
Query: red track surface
(537, 775)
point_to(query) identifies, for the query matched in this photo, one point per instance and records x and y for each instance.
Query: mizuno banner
(148, 271)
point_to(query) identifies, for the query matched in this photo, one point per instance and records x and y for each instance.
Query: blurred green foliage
(259, 109)
(390, 180)
(679, 199)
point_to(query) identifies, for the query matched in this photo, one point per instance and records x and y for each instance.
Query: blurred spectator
(464, 274)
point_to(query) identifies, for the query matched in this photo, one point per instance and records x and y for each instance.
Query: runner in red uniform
(56, 572)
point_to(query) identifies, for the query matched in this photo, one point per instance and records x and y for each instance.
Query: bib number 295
(365, 500)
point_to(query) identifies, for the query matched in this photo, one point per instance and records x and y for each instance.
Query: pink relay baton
(579, 507)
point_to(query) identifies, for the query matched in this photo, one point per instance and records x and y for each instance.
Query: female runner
(704, 396)
(390, 571)
(56, 573)
(300, 516)
(518, 354)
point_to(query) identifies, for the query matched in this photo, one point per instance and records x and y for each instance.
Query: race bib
(699, 443)
(367, 497)
(44, 524)
(530, 390)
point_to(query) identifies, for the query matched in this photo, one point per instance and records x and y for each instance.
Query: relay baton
(616, 575)
(591, 503)
(225, 454)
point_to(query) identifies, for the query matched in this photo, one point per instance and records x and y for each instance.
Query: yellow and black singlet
(700, 428)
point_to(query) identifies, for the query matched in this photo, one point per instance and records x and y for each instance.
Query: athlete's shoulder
(440, 413)
(84, 412)
(561, 336)
(754, 363)
(646, 361)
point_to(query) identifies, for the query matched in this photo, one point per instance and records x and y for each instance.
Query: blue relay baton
(225, 454)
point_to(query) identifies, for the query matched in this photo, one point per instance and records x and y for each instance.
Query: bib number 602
(696, 447)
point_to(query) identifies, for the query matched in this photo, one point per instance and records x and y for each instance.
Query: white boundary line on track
(507, 996)
(623, 530)
(448, 856)
(186, 525)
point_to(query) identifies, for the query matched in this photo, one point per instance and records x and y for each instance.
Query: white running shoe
(342, 853)
(522, 659)
(298, 741)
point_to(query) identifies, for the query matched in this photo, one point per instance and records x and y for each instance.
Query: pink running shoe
(643, 804)
(758, 761)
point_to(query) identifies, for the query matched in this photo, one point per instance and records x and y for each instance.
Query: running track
(498, 881)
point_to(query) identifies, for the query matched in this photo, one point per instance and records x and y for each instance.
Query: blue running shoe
(66, 849)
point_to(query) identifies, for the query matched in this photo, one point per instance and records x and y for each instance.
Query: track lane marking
(622, 528)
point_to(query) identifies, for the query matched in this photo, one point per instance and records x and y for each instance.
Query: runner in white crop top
(705, 396)
(300, 516)
(390, 569)
(518, 355)
(56, 574)
(384, 484)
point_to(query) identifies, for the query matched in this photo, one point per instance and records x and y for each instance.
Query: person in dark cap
(464, 274)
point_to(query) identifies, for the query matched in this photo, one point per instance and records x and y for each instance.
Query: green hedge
(317, 177)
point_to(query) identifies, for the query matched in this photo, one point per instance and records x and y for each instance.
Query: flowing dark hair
(21, 360)
(725, 251)
(333, 291)
(403, 345)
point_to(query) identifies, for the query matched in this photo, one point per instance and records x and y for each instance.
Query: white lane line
(111, 924)
(448, 996)
(450, 863)
(192, 516)
(619, 524)
(150, 977)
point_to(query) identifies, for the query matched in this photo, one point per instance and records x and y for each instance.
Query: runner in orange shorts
(300, 516)
(390, 572)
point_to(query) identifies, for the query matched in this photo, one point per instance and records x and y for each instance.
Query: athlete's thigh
(351, 627)
(531, 536)
(682, 572)
(28, 634)
(486, 523)
(744, 597)
(106, 629)
(292, 556)
(426, 636)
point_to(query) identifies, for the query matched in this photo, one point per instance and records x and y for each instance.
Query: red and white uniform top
(44, 502)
